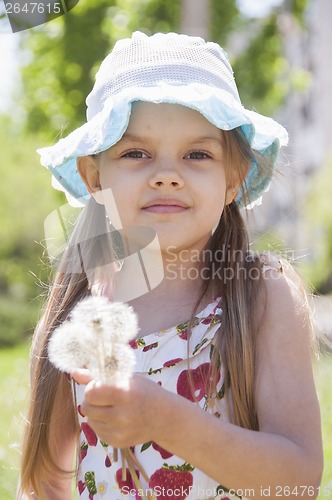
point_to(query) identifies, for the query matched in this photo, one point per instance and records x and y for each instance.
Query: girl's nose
(166, 176)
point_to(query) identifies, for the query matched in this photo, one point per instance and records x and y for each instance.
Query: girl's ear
(231, 194)
(236, 179)
(87, 167)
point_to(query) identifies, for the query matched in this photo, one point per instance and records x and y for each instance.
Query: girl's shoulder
(284, 303)
(280, 275)
(285, 345)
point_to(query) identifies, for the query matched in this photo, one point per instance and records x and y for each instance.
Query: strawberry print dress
(101, 477)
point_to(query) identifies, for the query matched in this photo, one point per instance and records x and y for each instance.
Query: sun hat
(168, 68)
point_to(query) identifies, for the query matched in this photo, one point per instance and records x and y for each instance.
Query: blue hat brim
(264, 135)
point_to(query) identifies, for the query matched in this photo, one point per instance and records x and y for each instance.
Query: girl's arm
(287, 451)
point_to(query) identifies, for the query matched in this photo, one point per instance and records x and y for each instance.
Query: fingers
(96, 392)
(99, 394)
(110, 425)
(81, 376)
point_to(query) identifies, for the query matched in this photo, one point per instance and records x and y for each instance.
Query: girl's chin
(180, 249)
(166, 240)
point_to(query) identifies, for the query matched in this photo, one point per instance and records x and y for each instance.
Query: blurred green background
(58, 64)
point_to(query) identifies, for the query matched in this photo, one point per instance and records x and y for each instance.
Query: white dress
(163, 357)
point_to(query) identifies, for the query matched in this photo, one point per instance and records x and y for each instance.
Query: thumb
(81, 376)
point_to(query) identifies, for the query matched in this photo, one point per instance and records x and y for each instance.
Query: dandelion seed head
(124, 322)
(118, 366)
(116, 321)
(96, 337)
(94, 311)
(111, 363)
(69, 347)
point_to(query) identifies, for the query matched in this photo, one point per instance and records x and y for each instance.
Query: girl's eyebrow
(205, 138)
(190, 140)
(132, 137)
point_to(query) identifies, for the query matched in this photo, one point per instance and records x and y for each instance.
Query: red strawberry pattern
(183, 329)
(108, 462)
(81, 487)
(89, 434)
(172, 362)
(163, 453)
(151, 346)
(208, 319)
(79, 410)
(136, 343)
(127, 484)
(163, 357)
(192, 384)
(173, 482)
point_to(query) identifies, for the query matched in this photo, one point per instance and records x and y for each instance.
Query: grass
(14, 379)
(324, 388)
(13, 398)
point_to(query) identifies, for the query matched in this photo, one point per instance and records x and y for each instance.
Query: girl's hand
(123, 418)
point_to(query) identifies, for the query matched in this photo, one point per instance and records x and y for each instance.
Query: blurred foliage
(269, 241)
(298, 7)
(319, 218)
(225, 18)
(263, 71)
(69, 50)
(59, 76)
(26, 199)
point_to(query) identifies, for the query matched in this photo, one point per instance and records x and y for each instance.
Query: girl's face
(167, 173)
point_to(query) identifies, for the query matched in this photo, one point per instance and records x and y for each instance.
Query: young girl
(222, 403)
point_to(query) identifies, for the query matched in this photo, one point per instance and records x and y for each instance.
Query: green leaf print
(197, 348)
(145, 446)
(152, 372)
(182, 327)
(214, 352)
(90, 481)
(221, 393)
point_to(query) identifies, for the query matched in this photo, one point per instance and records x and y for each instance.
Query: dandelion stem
(137, 482)
(123, 460)
(138, 465)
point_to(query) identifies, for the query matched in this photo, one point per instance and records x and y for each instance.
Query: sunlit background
(280, 52)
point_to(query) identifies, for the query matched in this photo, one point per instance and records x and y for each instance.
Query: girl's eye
(197, 155)
(135, 154)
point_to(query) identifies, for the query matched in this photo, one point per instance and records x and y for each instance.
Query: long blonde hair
(236, 339)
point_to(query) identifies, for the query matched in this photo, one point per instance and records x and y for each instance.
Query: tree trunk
(195, 18)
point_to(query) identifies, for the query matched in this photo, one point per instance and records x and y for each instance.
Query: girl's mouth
(165, 209)
(165, 206)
